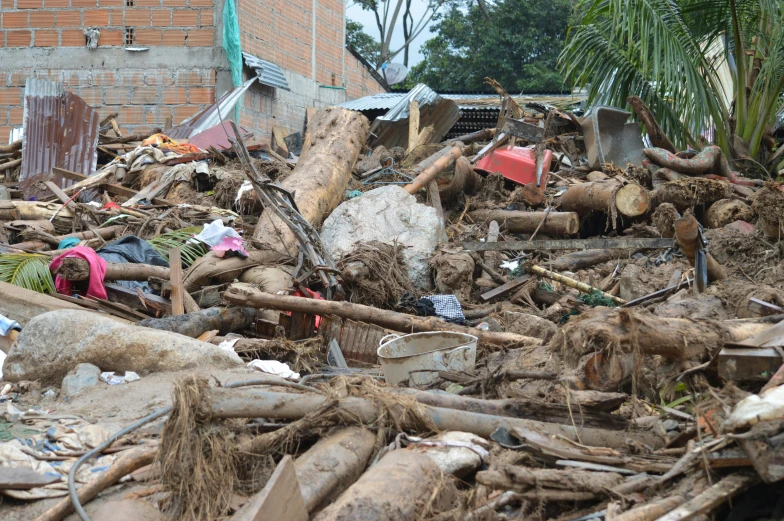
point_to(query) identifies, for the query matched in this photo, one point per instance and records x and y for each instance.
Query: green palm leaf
(27, 270)
(189, 251)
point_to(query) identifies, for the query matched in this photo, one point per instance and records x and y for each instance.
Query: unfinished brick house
(161, 59)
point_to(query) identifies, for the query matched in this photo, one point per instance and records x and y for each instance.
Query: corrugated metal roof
(387, 100)
(268, 73)
(210, 116)
(60, 130)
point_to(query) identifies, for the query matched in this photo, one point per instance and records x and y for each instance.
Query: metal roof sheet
(210, 116)
(387, 100)
(268, 73)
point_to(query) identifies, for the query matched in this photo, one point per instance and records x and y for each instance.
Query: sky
(368, 20)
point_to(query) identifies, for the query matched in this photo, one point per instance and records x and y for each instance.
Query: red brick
(174, 38)
(185, 18)
(102, 78)
(183, 112)
(5, 133)
(15, 116)
(46, 39)
(42, 19)
(145, 95)
(91, 96)
(174, 96)
(56, 3)
(83, 3)
(10, 96)
(201, 37)
(110, 3)
(130, 78)
(158, 77)
(147, 3)
(28, 4)
(69, 19)
(75, 38)
(157, 115)
(116, 17)
(110, 38)
(148, 36)
(202, 3)
(175, 3)
(96, 18)
(15, 20)
(137, 17)
(118, 96)
(75, 78)
(130, 115)
(201, 95)
(207, 18)
(161, 18)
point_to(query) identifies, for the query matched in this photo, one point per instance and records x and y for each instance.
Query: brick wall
(359, 81)
(142, 98)
(52, 23)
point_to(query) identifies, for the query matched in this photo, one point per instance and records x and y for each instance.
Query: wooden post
(175, 267)
(413, 125)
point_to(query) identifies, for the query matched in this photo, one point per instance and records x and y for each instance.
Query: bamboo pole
(430, 173)
(566, 281)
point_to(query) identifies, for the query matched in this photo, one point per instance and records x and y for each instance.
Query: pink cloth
(97, 272)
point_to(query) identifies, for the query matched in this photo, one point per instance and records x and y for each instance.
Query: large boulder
(54, 343)
(388, 214)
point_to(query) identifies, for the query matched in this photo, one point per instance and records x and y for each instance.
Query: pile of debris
(543, 320)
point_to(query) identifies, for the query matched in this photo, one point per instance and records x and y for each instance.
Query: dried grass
(374, 274)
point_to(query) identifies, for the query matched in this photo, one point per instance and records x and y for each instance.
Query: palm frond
(27, 270)
(190, 251)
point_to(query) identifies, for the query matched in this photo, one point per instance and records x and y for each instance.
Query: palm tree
(704, 67)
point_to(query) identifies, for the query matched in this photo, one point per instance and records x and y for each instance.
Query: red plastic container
(516, 164)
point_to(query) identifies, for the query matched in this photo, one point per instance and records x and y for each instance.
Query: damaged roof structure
(289, 302)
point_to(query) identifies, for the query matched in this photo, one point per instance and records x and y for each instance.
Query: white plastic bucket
(417, 358)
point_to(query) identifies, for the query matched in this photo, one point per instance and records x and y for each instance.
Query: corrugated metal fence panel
(60, 130)
(268, 73)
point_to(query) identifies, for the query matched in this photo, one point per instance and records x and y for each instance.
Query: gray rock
(84, 376)
(387, 214)
(54, 343)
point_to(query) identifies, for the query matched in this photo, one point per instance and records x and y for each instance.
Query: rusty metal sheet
(60, 130)
(212, 115)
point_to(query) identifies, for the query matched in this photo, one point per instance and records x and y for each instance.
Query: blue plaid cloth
(448, 308)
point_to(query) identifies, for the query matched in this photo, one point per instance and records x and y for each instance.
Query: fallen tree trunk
(522, 479)
(726, 211)
(555, 223)
(257, 403)
(104, 233)
(630, 200)
(75, 268)
(225, 320)
(583, 259)
(246, 295)
(33, 210)
(432, 171)
(686, 232)
(320, 177)
(11, 147)
(658, 138)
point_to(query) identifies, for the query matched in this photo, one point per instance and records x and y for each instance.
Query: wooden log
(714, 496)
(413, 125)
(247, 295)
(479, 135)
(10, 164)
(567, 281)
(432, 171)
(571, 244)
(320, 177)
(583, 259)
(630, 200)
(105, 233)
(33, 210)
(522, 479)
(225, 320)
(279, 499)
(12, 147)
(497, 277)
(556, 223)
(125, 464)
(726, 211)
(686, 232)
(651, 510)
(657, 136)
(175, 279)
(75, 268)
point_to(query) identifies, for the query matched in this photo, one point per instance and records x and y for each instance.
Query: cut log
(583, 259)
(556, 223)
(247, 295)
(726, 211)
(630, 200)
(225, 320)
(657, 136)
(75, 268)
(686, 231)
(320, 177)
(691, 192)
(432, 171)
(521, 479)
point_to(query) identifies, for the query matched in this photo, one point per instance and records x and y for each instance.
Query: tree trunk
(33, 210)
(246, 295)
(432, 171)
(658, 138)
(631, 200)
(320, 177)
(556, 223)
(583, 259)
(225, 320)
(75, 268)
(686, 231)
(726, 211)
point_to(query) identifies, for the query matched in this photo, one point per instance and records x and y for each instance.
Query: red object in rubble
(516, 164)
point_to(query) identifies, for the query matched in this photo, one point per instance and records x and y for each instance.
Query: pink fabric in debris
(97, 272)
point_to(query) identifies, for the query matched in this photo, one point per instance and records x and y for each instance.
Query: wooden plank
(301, 326)
(571, 244)
(755, 364)
(413, 125)
(762, 308)
(523, 130)
(21, 478)
(175, 265)
(771, 337)
(280, 499)
(65, 199)
(435, 199)
(348, 338)
(134, 300)
(505, 289)
(659, 294)
(112, 188)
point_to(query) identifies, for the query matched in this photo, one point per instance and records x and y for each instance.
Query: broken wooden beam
(571, 244)
(630, 200)
(751, 364)
(247, 295)
(505, 289)
(515, 221)
(523, 130)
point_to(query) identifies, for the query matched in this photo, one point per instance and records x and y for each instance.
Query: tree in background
(518, 46)
(671, 53)
(362, 42)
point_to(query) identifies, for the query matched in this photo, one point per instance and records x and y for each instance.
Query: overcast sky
(368, 20)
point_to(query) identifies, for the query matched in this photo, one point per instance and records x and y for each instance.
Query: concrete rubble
(583, 332)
